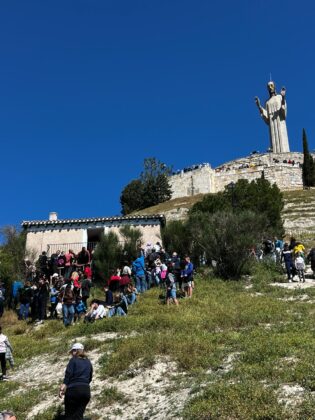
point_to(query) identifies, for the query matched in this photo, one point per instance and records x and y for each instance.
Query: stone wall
(192, 182)
(286, 178)
(284, 169)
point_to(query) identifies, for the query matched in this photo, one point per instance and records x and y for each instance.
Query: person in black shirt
(43, 264)
(43, 294)
(76, 384)
(83, 257)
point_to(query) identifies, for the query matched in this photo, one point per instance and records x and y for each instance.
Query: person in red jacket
(114, 281)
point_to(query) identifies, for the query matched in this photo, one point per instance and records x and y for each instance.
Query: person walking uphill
(76, 384)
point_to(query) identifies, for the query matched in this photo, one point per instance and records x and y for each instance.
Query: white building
(64, 234)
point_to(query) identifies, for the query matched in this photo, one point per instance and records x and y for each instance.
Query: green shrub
(232, 401)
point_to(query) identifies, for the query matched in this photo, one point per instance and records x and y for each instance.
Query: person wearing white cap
(7, 415)
(76, 384)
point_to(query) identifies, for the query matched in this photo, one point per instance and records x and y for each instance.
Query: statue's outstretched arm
(262, 110)
(283, 109)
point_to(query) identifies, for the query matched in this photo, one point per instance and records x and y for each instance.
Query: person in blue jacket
(14, 298)
(188, 277)
(138, 269)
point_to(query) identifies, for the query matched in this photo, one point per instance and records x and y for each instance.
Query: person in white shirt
(300, 267)
(99, 311)
(4, 342)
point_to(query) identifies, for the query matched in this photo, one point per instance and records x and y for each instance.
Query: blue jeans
(24, 311)
(141, 284)
(116, 312)
(149, 280)
(157, 279)
(120, 312)
(68, 314)
(131, 298)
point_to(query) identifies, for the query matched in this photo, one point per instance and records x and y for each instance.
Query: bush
(175, 236)
(132, 242)
(107, 255)
(227, 238)
(258, 196)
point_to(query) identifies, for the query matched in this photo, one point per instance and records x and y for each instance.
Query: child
(300, 266)
(80, 309)
(170, 288)
(131, 294)
(53, 301)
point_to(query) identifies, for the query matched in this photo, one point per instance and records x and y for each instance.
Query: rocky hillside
(298, 213)
(235, 350)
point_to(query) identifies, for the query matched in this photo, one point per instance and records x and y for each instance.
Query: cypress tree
(308, 169)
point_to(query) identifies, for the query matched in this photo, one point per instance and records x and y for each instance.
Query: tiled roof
(29, 223)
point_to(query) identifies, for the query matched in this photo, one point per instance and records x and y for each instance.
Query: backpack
(61, 262)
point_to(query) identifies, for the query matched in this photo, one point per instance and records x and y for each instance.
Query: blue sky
(90, 88)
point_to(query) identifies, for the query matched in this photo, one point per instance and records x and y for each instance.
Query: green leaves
(150, 189)
(308, 169)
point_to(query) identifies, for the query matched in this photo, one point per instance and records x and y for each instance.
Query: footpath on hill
(235, 349)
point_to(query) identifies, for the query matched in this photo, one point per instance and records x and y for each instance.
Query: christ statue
(274, 114)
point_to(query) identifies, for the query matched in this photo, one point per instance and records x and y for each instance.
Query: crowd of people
(63, 291)
(61, 285)
(292, 255)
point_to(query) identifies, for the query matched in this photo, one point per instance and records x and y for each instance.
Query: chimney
(53, 216)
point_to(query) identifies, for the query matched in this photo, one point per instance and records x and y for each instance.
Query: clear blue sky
(90, 88)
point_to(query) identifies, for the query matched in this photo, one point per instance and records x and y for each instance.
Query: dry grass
(182, 202)
(9, 319)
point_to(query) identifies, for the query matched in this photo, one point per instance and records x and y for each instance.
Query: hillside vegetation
(236, 350)
(298, 213)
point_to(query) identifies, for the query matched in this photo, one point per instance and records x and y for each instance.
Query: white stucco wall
(39, 238)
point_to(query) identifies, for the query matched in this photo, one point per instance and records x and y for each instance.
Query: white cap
(55, 275)
(77, 346)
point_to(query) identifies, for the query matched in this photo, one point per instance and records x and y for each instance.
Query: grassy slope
(235, 347)
(301, 201)
(186, 202)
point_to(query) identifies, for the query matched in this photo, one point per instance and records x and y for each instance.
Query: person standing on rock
(76, 384)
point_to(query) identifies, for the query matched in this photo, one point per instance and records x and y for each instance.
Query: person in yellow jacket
(299, 248)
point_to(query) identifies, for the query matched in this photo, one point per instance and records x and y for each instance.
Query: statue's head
(271, 87)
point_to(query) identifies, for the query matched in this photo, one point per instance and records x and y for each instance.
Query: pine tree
(308, 169)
